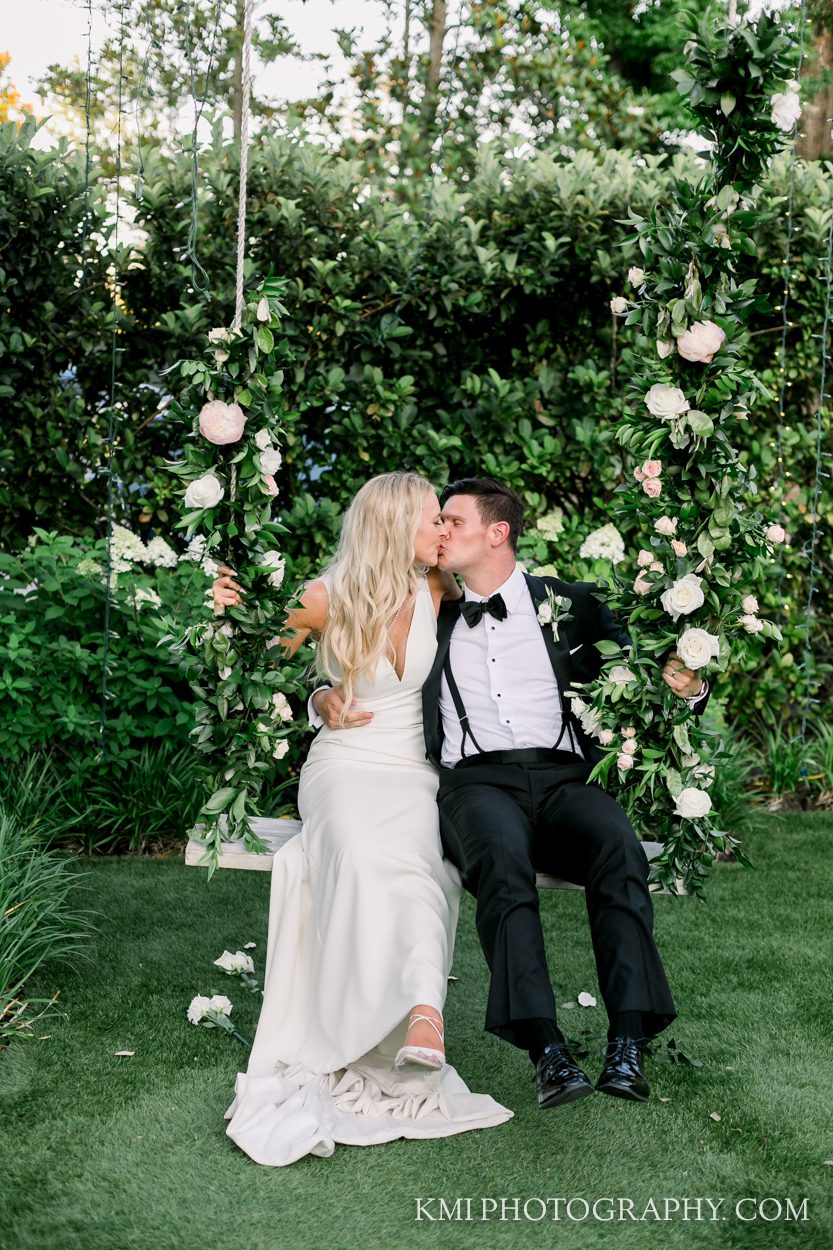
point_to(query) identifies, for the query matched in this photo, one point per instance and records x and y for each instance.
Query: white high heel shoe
(422, 1056)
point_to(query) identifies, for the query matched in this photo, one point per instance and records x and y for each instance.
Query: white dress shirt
(506, 680)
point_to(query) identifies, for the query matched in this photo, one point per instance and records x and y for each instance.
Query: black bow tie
(473, 610)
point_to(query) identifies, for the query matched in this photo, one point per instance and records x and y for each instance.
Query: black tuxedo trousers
(502, 822)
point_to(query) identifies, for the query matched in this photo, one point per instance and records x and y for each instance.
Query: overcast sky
(38, 33)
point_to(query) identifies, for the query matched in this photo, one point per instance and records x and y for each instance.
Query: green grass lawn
(102, 1153)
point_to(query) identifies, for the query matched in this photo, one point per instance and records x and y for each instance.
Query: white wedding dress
(361, 928)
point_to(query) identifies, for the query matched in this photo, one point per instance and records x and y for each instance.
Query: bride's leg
(428, 1033)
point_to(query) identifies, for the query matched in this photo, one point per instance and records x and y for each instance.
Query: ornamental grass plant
(43, 919)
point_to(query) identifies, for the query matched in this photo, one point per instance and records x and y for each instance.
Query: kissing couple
(446, 757)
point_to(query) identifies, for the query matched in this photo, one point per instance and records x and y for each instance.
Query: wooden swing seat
(278, 831)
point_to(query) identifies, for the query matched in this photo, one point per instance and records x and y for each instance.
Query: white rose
(775, 534)
(545, 614)
(786, 109)
(692, 803)
(644, 558)
(684, 597)
(750, 604)
(618, 304)
(270, 461)
(263, 439)
(624, 762)
(620, 675)
(696, 647)
(706, 773)
(666, 525)
(281, 749)
(199, 1006)
(751, 624)
(700, 342)
(274, 560)
(280, 707)
(219, 1002)
(636, 276)
(577, 706)
(218, 336)
(232, 964)
(666, 401)
(205, 492)
(606, 737)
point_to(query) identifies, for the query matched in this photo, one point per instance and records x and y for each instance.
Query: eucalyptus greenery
(231, 405)
(690, 401)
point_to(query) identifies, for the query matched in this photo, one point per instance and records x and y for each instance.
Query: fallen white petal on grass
(250, 946)
(714, 1116)
(569, 1006)
(586, 1000)
(128, 1054)
(665, 1099)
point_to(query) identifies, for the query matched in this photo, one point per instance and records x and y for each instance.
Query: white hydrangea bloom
(552, 524)
(161, 554)
(604, 544)
(144, 594)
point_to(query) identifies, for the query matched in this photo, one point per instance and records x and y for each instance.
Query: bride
(349, 1046)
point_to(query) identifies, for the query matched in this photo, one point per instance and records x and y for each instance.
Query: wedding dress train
(362, 916)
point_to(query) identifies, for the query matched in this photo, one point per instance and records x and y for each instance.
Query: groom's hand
(685, 682)
(329, 703)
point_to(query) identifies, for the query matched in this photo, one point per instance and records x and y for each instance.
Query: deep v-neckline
(407, 644)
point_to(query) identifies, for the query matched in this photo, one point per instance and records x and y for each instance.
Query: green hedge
(474, 333)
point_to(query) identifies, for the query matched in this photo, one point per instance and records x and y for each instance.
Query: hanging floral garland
(689, 404)
(231, 406)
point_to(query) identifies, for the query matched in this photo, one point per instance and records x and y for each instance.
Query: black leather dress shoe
(559, 1077)
(622, 1075)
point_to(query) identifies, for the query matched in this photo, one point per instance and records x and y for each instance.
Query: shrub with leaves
(231, 404)
(689, 403)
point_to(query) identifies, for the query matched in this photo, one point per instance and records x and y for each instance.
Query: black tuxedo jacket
(573, 657)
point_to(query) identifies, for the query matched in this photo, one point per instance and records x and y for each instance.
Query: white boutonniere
(554, 610)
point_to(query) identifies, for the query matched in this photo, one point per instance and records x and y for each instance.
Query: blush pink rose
(606, 737)
(652, 468)
(641, 586)
(630, 732)
(679, 549)
(700, 342)
(222, 423)
(629, 746)
(776, 534)
(271, 484)
(639, 475)
(652, 487)
(624, 762)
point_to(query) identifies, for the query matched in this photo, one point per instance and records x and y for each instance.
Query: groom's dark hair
(495, 502)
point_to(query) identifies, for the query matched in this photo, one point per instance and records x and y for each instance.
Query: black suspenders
(459, 707)
(463, 717)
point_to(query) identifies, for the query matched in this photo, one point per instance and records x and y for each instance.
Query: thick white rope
(246, 87)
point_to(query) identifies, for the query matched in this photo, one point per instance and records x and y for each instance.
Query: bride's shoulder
(442, 585)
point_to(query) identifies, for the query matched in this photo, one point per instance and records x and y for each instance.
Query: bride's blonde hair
(370, 576)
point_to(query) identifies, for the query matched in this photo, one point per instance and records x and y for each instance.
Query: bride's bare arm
(442, 585)
(307, 617)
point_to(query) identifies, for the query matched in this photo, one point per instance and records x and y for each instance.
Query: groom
(513, 797)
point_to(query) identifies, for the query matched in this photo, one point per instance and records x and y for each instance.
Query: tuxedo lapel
(558, 651)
